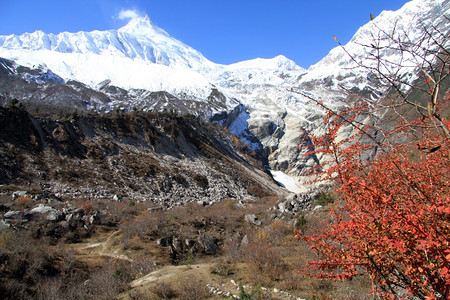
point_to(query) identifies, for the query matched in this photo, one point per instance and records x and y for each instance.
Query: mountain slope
(42, 90)
(140, 66)
(338, 78)
(137, 56)
(380, 38)
(154, 157)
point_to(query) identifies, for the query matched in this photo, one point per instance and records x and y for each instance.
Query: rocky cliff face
(140, 156)
(350, 72)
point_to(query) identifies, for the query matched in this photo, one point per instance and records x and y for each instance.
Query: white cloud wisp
(128, 14)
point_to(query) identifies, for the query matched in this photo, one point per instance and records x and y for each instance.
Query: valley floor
(240, 248)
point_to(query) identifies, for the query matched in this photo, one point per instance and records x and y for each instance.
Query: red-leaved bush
(393, 217)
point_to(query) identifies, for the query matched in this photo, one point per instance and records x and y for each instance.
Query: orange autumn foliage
(393, 217)
(392, 220)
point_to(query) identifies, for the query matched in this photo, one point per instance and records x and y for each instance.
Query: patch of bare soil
(105, 248)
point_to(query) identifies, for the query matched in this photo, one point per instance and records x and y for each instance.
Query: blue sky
(225, 31)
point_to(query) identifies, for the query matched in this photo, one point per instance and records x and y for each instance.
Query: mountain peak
(142, 26)
(147, 18)
(279, 62)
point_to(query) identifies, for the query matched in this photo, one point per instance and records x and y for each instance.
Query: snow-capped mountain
(137, 56)
(139, 40)
(379, 38)
(141, 58)
(141, 66)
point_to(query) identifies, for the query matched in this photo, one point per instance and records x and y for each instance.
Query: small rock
(55, 216)
(52, 213)
(165, 241)
(13, 214)
(3, 225)
(98, 217)
(207, 243)
(79, 212)
(177, 245)
(252, 219)
(282, 207)
(317, 207)
(202, 203)
(291, 197)
(244, 241)
(42, 209)
(75, 220)
(189, 243)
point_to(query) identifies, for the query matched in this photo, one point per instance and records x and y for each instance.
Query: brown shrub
(87, 206)
(278, 231)
(164, 291)
(109, 280)
(291, 280)
(142, 266)
(232, 249)
(223, 267)
(49, 288)
(25, 262)
(192, 289)
(145, 226)
(24, 201)
(102, 283)
(256, 190)
(265, 263)
(202, 181)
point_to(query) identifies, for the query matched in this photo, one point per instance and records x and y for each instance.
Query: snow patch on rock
(290, 183)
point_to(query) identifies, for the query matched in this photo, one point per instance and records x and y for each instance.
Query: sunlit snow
(288, 182)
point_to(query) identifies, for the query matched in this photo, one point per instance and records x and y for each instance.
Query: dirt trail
(201, 270)
(105, 248)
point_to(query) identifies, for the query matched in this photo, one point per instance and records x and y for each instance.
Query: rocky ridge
(163, 158)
